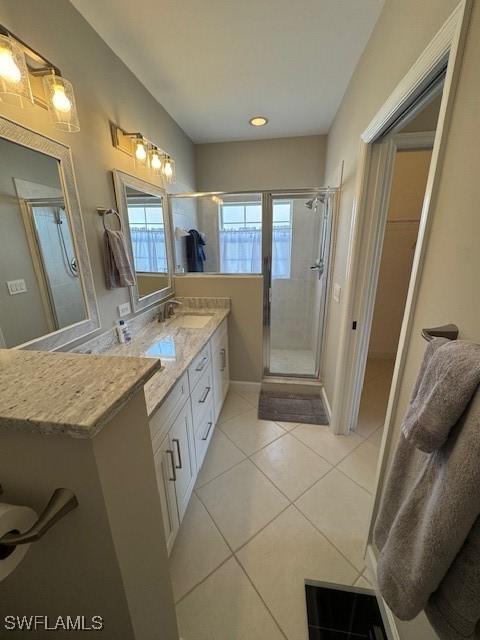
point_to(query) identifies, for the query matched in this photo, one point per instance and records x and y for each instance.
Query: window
(241, 238)
(147, 231)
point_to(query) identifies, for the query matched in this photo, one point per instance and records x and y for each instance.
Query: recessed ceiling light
(258, 121)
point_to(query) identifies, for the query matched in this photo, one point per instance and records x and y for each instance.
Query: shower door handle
(318, 267)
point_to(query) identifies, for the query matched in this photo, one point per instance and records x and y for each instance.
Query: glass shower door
(295, 268)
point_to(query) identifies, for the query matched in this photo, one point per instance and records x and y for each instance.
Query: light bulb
(140, 151)
(155, 160)
(168, 168)
(9, 70)
(60, 100)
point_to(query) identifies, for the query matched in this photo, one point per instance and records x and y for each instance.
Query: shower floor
(292, 361)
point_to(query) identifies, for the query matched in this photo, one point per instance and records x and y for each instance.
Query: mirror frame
(121, 180)
(29, 139)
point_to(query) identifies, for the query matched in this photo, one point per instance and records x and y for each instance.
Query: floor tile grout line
(277, 487)
(216, 525)
(326, 538)
(232, 552)
(221, 474)
(357, 483)
(318, 454)
(277, 623)
(257, 450)
(244, 544)
(197, 584)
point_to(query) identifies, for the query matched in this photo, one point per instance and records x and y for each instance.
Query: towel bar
(449, 331)
(105, 212)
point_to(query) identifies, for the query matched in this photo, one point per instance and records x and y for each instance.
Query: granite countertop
(66, 393)
(187, 344)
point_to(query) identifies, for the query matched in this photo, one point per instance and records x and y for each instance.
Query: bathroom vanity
(185, 397)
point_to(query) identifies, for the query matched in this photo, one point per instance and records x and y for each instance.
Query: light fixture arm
(32, 54)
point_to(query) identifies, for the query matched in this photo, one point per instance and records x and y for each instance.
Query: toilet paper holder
(61, 502)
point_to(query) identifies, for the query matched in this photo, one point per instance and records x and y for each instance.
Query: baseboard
(254, 385)
(387, 614)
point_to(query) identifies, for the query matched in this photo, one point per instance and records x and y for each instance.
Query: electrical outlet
(124, 309)
(337, 292)
(16, 286)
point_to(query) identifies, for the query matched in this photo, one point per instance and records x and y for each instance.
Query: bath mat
(291, 407)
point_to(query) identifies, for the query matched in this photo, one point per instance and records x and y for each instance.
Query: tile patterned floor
(274, 504)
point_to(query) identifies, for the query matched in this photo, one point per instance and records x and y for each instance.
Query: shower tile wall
(184, 217)
(65, 289)
(293, 299)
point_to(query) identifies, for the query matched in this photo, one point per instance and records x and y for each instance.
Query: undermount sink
(192, 321)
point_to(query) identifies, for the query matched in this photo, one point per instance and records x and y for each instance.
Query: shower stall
(49, 234)
(295, 300)
(282, 235)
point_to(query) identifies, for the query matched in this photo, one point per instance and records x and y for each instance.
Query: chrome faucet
(170, 307)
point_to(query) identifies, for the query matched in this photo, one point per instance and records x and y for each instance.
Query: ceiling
(213, 64)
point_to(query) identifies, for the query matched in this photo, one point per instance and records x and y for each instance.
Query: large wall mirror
(145, 219)
(47, 295)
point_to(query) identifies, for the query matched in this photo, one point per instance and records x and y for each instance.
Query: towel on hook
(195, 251)
(118, 269)
(427, 529)
(448, 378)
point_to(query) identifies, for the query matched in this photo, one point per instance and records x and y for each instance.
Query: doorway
(296, 247)
(408, 185)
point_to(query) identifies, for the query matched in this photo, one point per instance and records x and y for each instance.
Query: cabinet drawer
(198, 366)
(202, 397)
(203, 435)
(163, 417)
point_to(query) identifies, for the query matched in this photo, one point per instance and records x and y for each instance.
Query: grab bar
(449, 331)
(62, 502)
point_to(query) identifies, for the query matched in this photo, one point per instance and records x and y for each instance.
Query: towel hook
(105, 212)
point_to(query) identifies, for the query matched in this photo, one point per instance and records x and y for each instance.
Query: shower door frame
(267, 228)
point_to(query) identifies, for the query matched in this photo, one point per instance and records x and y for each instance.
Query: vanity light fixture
(61, 102)
(169, 169)
(140, 149)
(258, 121)
(21, 68)
(144, 152)
(14, 80)
(155, 160)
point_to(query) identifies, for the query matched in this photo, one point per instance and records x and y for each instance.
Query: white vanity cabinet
(182, 428)
(163, 457)
(220, 366)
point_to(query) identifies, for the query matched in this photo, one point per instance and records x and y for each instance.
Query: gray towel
(430, 504)
(454, 609)
(449, 375)
(118, 269)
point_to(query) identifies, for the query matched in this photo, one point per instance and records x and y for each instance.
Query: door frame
(329, 194)
(382, 171)
(445, 49)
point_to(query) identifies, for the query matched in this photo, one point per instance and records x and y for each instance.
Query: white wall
(278, 163)
(402, 32)
(105, 90)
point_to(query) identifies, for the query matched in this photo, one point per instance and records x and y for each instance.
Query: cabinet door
(181, 438)
(221, 374)
(165, 470)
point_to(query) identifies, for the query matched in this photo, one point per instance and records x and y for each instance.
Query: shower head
(313, 203)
